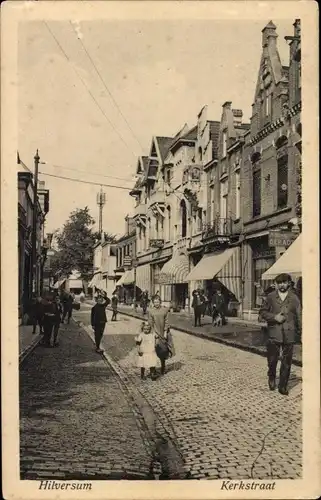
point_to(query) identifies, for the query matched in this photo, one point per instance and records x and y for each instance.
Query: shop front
(220, 268)
(263, 257)
(174, 285)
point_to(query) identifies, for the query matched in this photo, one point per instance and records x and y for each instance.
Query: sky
(159, 73)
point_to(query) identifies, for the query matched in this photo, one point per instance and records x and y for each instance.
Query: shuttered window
(256, 193)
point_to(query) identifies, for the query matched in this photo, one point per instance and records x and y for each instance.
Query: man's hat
(282, 278)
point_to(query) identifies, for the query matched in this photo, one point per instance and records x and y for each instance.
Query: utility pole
(101, 200)
(34, 284)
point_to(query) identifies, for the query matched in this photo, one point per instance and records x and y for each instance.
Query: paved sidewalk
(242, 335)
(76, 421)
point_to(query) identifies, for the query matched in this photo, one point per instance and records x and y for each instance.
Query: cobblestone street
(214, 405)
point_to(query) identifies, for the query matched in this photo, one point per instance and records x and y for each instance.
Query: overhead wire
(88, 90)
(105, 86)
(86, 182)
(90, 173)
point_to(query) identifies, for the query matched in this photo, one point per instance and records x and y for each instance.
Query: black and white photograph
(159, 215)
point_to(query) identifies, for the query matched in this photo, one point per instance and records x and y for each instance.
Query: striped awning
(143, 277)
(290, 262)
(127, 278)
(225, 266)
(175, 270)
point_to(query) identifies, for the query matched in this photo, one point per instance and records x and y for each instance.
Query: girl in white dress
(147, 357)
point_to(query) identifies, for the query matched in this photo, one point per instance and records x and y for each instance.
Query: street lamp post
(34, 284)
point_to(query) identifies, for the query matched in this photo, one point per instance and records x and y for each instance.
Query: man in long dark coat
(282, 311)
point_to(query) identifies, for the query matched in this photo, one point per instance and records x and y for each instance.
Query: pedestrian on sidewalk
(36, 312)
(114, 306)
(67, 302)
(146, 350)
(98, 321)
(49, 319)
(158, 320)
(282, 312)
(197, 305)
(219, 306)
(144, 301)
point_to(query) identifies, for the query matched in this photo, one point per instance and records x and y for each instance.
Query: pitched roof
(164, 144)
(214, 135)
(191, 134)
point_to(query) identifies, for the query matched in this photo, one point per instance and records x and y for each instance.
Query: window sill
(268, 216)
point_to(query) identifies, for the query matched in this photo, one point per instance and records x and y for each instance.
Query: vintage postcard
(159, 260)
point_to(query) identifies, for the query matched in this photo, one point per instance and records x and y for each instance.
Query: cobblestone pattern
(75, 420)
(215, 404)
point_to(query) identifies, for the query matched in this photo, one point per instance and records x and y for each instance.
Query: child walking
(147, 357)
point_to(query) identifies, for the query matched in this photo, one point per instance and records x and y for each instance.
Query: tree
(108, 237)
(75, 245)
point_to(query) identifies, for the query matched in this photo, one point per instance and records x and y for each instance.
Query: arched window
(200, 153)
(183, 217)
(282, 171)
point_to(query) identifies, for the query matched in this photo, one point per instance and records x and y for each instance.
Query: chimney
(269, 35)
(237, 117)
(297, 27)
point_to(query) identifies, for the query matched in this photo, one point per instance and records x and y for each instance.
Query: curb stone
(134, 395)
(28, 350)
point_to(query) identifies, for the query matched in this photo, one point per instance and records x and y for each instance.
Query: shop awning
(58, 284)
(94, 281)
(175, 271)
(289, 262)
(143, 277)
(225, 266)
(127, 278)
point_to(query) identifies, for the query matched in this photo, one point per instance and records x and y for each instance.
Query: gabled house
(269, 183)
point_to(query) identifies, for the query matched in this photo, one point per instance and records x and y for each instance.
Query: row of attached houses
(30, 280)
(210, 199)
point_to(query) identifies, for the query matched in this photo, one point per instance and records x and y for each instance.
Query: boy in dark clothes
(57, 320)
(99, 320)
(48, 320)
(37, 312)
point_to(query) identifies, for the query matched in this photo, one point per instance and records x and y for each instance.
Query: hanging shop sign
(281, 239)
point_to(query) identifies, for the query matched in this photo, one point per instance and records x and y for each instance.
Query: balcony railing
(219, 228)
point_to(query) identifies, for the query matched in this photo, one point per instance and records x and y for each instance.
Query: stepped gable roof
(214, 135)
